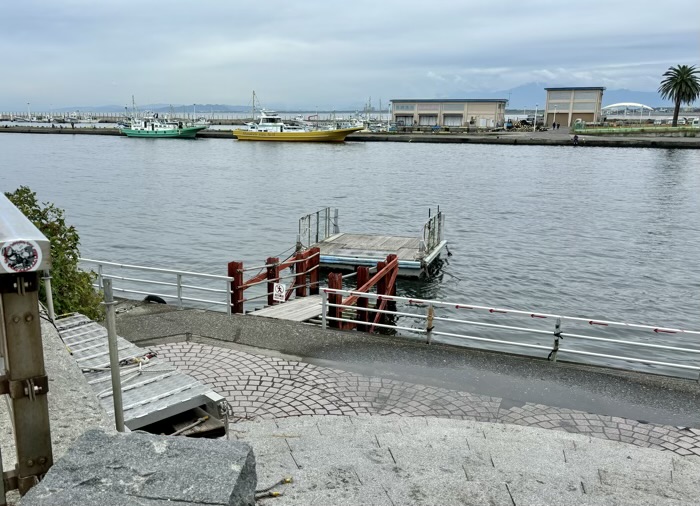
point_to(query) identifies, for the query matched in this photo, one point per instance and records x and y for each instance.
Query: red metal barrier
(305, 263)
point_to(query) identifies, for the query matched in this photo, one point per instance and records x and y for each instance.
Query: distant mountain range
(521, 97)
(198, 108)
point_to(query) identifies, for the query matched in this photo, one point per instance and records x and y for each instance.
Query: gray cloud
(331, 54)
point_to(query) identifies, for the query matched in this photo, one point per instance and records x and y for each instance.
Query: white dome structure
(628, 105)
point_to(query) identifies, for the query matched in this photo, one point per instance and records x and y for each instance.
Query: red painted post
(362, 278)
(391, 290)
(314, 275)
(381, 283)
(381, 290)
(235, 271)
(335, 280)
(273, 274)
(300, 269)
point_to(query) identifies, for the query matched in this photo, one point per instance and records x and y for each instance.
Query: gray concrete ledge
(140, 468)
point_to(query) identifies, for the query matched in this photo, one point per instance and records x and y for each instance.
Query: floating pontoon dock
(346, 251)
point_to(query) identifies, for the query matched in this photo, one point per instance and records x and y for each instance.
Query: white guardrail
(178, 293)
(611, 334)
(431, 322)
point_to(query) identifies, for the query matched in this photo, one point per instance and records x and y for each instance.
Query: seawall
(517, 138)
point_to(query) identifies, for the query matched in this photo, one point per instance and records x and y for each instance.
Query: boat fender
(155, 299)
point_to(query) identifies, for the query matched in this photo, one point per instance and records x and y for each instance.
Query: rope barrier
(348, 312)
(492, 310)
(287, 262)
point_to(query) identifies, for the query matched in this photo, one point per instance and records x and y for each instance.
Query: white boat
(201, 121)
(271, 127)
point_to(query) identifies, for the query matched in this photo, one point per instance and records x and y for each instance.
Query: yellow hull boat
(337, 135)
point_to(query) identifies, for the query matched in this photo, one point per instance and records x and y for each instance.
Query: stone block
(141, 468)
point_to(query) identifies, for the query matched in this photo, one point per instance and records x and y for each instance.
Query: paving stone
(269, 387)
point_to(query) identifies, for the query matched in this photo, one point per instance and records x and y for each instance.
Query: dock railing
(433, 232)
(315, 227)
(303, 277)
(430, 325)
(170, 279)
(383, 281)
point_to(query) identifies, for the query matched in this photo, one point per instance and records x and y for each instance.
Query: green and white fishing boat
(155, 128)
(148, 124)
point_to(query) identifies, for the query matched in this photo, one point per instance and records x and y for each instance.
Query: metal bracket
(19, 284)
(10, 481)
(557, 335)
(30, 387)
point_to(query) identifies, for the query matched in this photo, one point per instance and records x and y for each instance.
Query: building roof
(439, 100)
(576, 88)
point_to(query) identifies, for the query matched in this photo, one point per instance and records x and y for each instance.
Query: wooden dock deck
(299, 310)
(347, 251)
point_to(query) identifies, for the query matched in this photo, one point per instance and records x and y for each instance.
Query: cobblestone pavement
(267, 387)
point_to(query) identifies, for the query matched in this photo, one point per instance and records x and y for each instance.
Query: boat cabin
(270, 121)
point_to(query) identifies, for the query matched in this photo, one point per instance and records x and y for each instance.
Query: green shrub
(72, 288)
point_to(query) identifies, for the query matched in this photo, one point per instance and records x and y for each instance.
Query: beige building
(566, 105)
(462, 112)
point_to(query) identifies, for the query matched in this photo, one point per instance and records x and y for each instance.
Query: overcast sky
(330, 54)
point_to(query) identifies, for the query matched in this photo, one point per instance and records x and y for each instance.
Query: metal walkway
(152, 389)
(298, 310)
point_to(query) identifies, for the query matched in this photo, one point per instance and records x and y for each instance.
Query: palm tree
(682, 85)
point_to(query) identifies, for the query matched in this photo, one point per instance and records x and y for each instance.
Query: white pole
(534, 123)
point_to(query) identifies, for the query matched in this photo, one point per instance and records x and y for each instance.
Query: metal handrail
(156, 269)
(178, 284)
(557, 334)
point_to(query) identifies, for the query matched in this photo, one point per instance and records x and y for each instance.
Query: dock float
(347, 251)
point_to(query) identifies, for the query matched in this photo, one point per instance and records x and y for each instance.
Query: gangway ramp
(153, 390)
(300, 309)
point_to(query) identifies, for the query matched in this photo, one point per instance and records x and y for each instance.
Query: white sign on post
(278, 292)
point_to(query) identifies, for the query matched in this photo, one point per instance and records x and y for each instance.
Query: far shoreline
(548, 138)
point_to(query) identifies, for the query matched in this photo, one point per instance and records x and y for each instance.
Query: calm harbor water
(595, 232)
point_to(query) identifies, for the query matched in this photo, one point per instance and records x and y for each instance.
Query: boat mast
(253, 120)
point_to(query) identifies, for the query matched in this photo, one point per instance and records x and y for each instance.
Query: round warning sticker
(20, 256)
